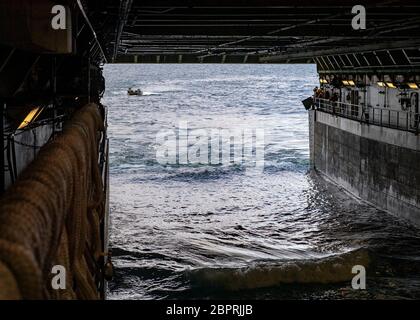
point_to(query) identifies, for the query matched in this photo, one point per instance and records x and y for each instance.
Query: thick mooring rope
(52, 215)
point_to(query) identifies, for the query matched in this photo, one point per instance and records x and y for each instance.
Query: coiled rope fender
(52, 215)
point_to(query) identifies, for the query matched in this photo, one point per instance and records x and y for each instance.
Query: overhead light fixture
(381, 84)
(391, 85)
(412, 85)
(32, 115)
(348, 82)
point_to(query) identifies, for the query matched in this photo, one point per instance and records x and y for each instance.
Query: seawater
(191, 231)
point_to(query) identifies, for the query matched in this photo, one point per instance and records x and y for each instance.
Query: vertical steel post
(88, 76)
(381, 118)
(2, 165)
(54, 91)
(389, 118)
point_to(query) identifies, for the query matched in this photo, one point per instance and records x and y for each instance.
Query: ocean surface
(224, 231)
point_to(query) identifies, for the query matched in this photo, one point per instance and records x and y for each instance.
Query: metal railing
(384, 117)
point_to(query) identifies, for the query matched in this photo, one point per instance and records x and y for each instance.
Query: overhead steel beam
(125, 7)
(342, 50)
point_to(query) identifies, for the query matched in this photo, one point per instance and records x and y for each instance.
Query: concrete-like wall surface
(27, 145)
(382, 167)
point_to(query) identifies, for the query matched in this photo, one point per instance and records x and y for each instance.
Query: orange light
(412, 85)
(32, 115)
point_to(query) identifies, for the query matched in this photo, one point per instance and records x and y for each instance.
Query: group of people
(320, 93)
